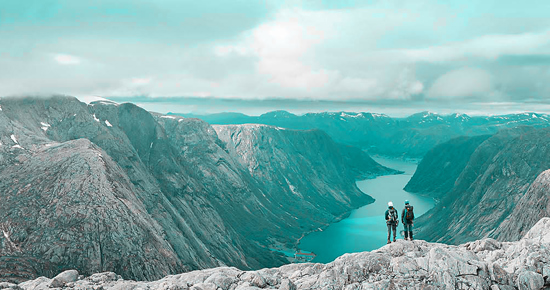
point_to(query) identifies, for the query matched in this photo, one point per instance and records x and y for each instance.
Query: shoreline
(296, 248)
(363, 224)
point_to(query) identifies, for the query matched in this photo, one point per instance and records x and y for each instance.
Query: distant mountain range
(112, 187)
(412, 136)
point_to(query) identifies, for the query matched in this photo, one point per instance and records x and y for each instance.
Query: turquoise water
(365, 229)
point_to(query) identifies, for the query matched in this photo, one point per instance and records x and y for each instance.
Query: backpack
(409, 214)
(392, 215)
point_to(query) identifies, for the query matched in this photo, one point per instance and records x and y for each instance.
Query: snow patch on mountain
(379, 115)
(45, 126)
(292, 188)
(108, 102)
(90, 99)
(259, 126)
(351, 115)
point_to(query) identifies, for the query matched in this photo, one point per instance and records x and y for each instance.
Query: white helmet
(390, 204)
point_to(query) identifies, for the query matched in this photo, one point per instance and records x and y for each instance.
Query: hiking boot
(411, 235)
(406, 235)
(394, 239)
(389, 242)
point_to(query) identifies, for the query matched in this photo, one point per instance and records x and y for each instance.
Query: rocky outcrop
(531, 207)
(482, 264)
(496, 178)
(70, 205)
(112, 187)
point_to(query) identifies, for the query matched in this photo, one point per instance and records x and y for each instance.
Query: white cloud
(140, 81)
(66, 59)
(357, 85)
(464, 82)
(486, 47)
(383, 50)
(307, 54)
(225, 50)
(282, 47)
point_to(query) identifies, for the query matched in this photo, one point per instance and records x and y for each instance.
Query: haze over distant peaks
(410, 136)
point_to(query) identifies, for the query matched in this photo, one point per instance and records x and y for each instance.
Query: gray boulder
(63, 278)
(529, 280)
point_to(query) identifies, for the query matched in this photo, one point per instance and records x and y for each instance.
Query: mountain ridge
(489, 187)
(411, 136)
(198, 202)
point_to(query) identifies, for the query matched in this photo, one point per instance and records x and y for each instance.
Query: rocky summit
(482, 264)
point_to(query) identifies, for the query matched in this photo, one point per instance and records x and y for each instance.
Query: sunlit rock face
(70, 204)
(496, 193)
(481, 264)
(532, 206)
(112, 187)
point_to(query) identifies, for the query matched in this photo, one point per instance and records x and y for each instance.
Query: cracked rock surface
(482, 264)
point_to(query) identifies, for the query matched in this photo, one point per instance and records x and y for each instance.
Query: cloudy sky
(390, 56)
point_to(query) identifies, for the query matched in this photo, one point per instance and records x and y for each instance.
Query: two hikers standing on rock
(407, 217)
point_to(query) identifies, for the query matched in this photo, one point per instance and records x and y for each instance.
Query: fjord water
(365, 229)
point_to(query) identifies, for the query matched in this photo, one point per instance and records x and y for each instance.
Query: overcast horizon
(207, 106)
(394, 57)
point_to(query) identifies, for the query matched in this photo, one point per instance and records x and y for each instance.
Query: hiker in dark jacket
(407, 218)
(391, 220)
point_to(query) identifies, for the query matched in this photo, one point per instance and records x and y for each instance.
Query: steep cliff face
(532, 206)
(306, 172)
(489, 188)
(68, 199)
(108, 185)
(190, 226)
(483, 264)
(437, 172)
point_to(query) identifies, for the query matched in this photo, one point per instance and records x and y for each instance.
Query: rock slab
(483, 264)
